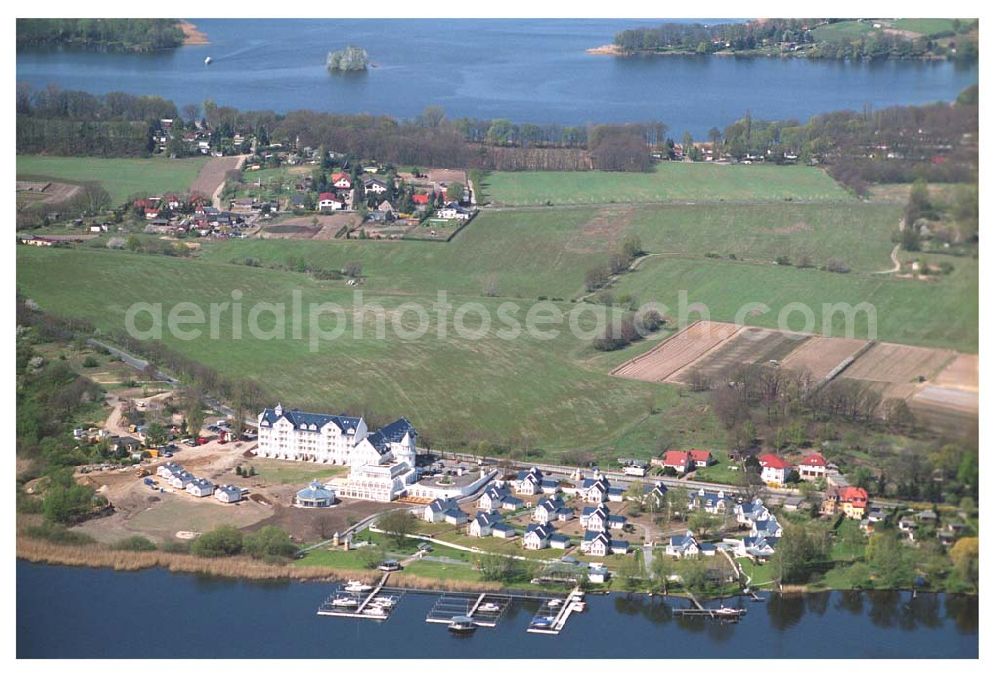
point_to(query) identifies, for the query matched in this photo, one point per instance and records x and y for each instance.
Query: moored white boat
(357, 586)
(488, 607)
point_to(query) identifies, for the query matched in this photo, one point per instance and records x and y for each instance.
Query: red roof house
(773, 461)
(678, 460)
(701, 458)
(773, 469)
(421, 198)
(853, 502)
(340, 180)
(813, 465)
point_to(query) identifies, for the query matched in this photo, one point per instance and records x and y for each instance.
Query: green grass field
(121, 177)
(943, 313)
(532, 253)
(551, 395)
(670, 182)
(927, 26)
(536, 391)
(849, 30)
(276, 471)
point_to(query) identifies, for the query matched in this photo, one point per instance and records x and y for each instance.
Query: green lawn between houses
(120, 177)
(668, 182)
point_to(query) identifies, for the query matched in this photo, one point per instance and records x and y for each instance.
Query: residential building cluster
(174, 475)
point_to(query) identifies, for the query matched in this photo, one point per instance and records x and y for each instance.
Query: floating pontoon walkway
(485, 609)
(376, 604)
(550, 622)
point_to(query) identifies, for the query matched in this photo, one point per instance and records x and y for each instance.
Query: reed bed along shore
(96, 555)
(237, 567)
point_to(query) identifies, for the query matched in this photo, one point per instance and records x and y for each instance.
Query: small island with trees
(347, 60)
(841, 39)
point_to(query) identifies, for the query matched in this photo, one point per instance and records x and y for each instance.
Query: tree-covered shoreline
(111, 35)
(840, 39)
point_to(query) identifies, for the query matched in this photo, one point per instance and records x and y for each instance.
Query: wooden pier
(545, 622)
(727, 614)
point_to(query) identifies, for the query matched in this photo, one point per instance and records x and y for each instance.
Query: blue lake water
(79, 612)
(522, 70)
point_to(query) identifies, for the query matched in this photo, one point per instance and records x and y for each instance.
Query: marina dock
(375, 604)
(485, 609)
(548, 623)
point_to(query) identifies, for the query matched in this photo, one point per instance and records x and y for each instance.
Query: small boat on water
(555, 602)
(357, 587)
(542, 622)
(488, 607)
(728, 613)
(731, 610)
(344, 601)
(374, 611)
(383, 601)
(208, 60)
(462, 625)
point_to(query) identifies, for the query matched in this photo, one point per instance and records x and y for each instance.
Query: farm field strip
(749, 346)
(668, 182)
(212, 176)
(121, 177)
(898, 364)
(677, 352)
(820, 355)
(923, 377)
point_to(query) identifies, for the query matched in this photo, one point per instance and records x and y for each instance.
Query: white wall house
(812, 466)
(537, 537)
(200, 487)
(382, 462)
(774, 470)
(228, 494)
(682, 546)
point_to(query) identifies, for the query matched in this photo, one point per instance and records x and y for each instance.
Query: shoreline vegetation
(105, 35)
(192, 36)
(244, 568)
(827, 39)
(40, 551)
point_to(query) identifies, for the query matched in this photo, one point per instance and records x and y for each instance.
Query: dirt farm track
(941, 386)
